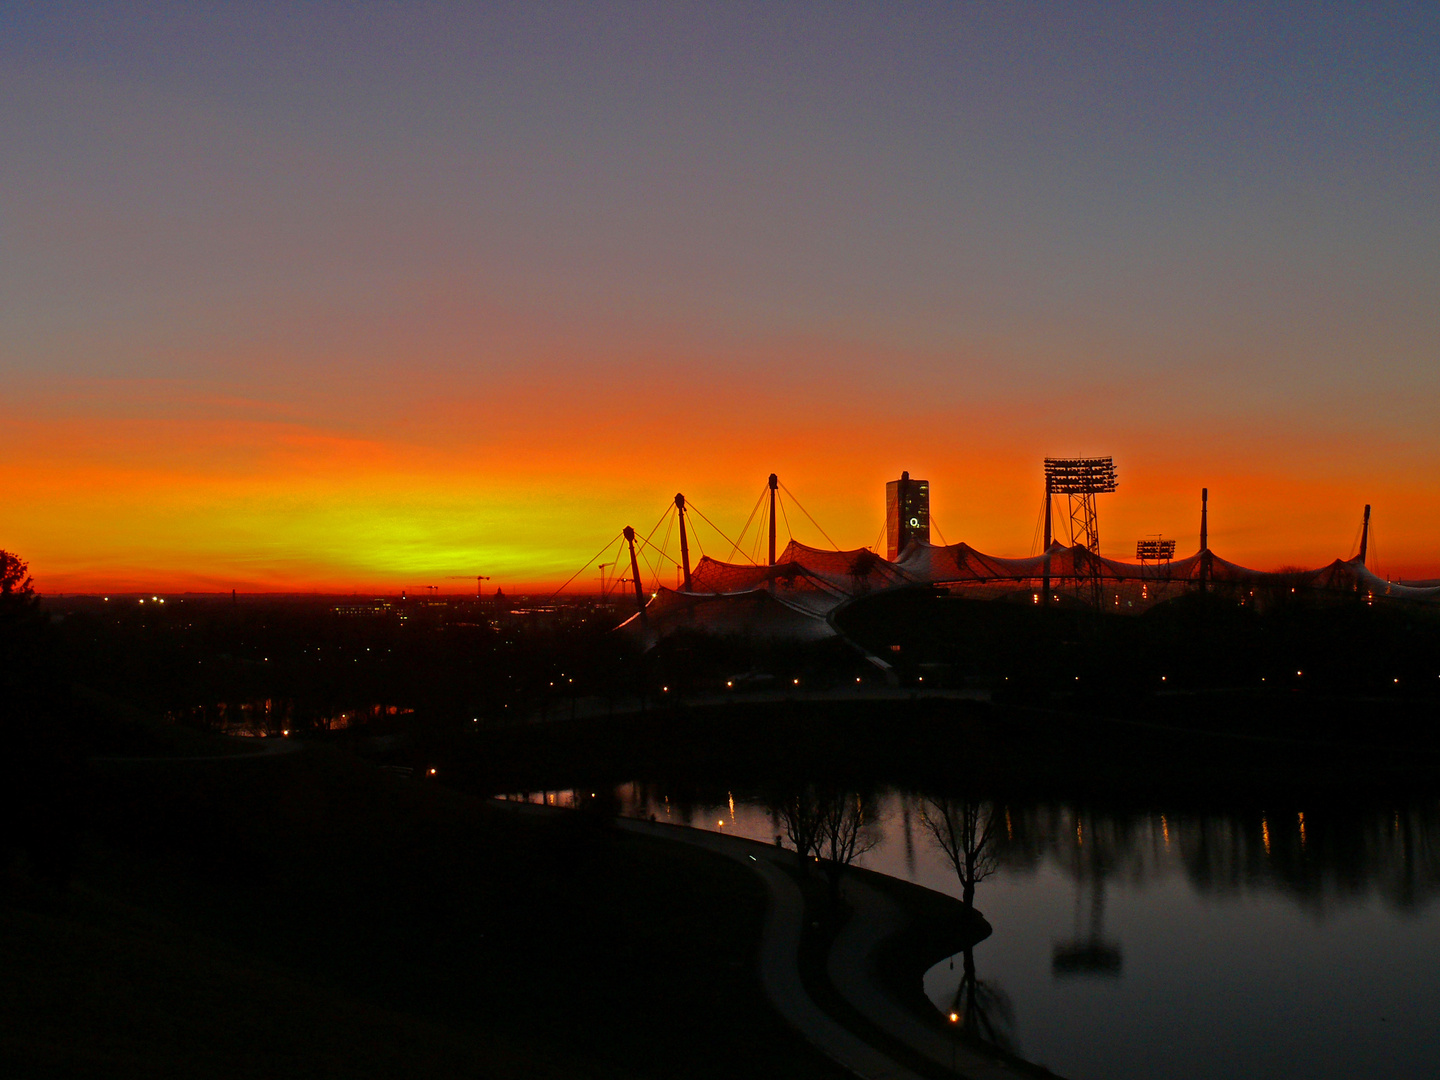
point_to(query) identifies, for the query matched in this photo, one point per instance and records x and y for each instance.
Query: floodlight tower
(1157, 551)
(1082, 479)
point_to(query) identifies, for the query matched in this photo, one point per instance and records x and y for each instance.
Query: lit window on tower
(907, 514)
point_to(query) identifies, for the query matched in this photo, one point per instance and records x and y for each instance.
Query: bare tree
(799, 812)
(963, 830)
(829, 824)
(849, 827)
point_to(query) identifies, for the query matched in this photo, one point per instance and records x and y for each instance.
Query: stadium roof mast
(1207, 564)
(629, 535)
(1081, 479)
(774, 483)
(684, 540)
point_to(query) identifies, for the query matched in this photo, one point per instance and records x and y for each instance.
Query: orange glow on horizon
(201, 497)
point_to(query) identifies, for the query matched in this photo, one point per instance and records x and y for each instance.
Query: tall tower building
(907, 513)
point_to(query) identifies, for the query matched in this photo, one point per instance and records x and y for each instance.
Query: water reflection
(1321, 857)
(1215, 929)
(1325, 857)
(1110, 845)
(963, 830)
(1087, 952)
(829, 824)
(985, 1011)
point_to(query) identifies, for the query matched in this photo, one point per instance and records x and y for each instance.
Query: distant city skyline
(355, 298)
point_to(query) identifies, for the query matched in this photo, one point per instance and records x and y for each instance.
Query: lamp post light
(954, 1020)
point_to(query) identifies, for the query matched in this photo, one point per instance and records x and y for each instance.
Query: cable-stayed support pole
(635, 573)
(684, 540)
(1204, 539)
(774, 486)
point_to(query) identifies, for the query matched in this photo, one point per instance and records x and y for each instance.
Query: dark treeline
(1337, 643)
(461, 682)
(262, 665)
(40, 731)
(1207, 749)
(436, 669)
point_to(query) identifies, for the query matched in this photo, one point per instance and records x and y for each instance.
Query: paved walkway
(875, 918)
(851, 969)
(780, 947)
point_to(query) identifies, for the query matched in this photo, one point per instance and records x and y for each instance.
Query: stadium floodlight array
(1081, 479)
(1154, 550)
(1080, 476)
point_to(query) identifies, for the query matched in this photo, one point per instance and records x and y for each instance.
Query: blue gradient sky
(387, 270)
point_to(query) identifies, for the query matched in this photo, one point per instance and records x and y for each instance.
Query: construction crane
(478, 579)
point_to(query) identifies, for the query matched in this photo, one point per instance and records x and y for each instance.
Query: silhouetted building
(907, 513)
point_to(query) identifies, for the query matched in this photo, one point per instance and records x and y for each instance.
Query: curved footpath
(874, 919)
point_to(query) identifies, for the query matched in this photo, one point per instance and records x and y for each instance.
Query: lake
(1244, 940)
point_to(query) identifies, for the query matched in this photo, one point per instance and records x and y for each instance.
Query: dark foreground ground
(308, 914)
(312, 914)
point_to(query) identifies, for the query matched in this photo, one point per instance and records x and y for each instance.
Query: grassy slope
(308, 916)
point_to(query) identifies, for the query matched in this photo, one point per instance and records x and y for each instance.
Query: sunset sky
(356, 297)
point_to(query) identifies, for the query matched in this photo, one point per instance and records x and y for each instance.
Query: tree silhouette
(831, 824)
(848, 828)
(798, 810)
(40, 766)
(15, 580)
(962, 829)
